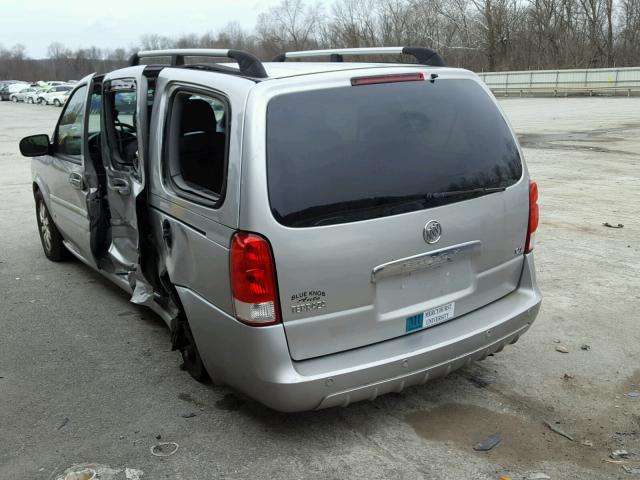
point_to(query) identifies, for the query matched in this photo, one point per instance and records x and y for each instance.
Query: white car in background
(42, 93)
(21, 96)
(33, 94)
(59, 102)
(55, 95)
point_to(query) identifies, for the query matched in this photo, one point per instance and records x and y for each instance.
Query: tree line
(481, 35)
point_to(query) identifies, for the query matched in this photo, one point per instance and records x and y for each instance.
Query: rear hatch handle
(424, 260)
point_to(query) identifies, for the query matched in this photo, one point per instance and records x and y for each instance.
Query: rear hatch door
(399, 206)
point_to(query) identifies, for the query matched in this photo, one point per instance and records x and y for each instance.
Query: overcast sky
(115, 23)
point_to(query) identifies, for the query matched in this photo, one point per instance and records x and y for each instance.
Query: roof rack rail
(249, 64)
(424, 56)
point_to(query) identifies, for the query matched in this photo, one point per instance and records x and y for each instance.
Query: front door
(67, 186)
(124, 132)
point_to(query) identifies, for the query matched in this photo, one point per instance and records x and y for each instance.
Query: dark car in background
(8, 87)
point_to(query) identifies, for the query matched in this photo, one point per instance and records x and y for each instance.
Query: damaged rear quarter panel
(198, 258)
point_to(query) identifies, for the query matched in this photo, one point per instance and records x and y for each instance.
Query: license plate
(431, 317)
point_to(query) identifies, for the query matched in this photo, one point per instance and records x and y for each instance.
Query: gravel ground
(86, 378)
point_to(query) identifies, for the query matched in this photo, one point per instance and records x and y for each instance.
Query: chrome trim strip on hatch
(423, 260)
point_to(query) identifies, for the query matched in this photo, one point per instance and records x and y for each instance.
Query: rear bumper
(256, 361)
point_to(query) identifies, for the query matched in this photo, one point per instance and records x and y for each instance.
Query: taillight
(253, 280)
(534, 216)
(402, 77)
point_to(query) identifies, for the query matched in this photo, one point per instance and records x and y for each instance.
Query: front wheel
(29, 100)
(57, 103)
(14, 99)
(50, 237)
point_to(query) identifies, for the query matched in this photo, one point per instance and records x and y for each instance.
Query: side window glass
(121, 122)
(69, 131)
(95, 110)
(197, 146)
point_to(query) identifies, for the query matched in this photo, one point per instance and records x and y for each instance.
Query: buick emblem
(432, 232)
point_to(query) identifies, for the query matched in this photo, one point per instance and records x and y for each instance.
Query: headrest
(197, 116)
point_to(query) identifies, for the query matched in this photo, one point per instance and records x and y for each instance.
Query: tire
(57, 103)
(50, 237)
(191, 360)
(29, 100)
(14, 99)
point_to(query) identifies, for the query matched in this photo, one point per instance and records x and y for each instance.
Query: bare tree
(354, 23)
(156, 42)
(290, 25)
(630, 31)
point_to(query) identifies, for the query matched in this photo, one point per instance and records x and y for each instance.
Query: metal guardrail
(565, 82)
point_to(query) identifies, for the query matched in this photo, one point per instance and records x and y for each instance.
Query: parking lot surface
(87, 378)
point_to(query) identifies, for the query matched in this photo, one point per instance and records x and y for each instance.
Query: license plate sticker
(437, 315)
(431, 317)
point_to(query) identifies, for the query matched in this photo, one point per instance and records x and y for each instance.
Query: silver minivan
(313, 233)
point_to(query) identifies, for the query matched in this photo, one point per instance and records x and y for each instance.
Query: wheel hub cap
(45, 228)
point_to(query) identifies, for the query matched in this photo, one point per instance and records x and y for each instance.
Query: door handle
(119, 185)
(76, 180)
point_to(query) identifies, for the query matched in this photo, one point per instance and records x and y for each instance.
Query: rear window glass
(355, 153)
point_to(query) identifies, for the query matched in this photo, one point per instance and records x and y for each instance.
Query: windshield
(355, 153)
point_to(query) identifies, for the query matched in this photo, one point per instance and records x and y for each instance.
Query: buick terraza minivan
(313, 233)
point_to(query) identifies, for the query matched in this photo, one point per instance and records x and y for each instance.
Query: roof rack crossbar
(249, 64)
(424, 56)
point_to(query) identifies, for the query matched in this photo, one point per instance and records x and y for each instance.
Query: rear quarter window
(356, 153)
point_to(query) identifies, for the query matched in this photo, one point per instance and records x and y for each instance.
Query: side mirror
(35, 145)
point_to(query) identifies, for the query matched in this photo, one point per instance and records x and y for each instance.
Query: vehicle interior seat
(201, 146)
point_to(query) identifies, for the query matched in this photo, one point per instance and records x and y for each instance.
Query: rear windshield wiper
(461, 193)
